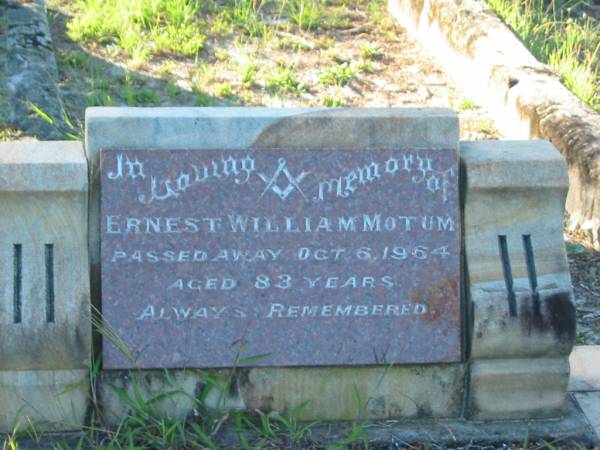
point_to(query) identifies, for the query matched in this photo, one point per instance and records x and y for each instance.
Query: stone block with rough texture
(48, 400)
(522, 319)
(28, 73)
(589, 402)
(45, 342)
(517, 388)
(585, 370)
(334, 393)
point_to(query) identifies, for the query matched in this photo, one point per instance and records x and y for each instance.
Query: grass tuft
(224, 90)
(466, 104)
(9, 133)
(140, 28)
(248, 73)
(339, 74)
(246, 16)
(333, 100)
(370, 51)
(305, 13)
(283, 81)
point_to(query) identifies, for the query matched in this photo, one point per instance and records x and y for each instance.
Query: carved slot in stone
(508, 277)
(17, 282)
(531, 273)
(49, 256)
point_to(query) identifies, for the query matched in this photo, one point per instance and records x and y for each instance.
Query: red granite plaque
(280, 257)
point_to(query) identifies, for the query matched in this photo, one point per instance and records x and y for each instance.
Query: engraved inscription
(327, 257)
(421, 169)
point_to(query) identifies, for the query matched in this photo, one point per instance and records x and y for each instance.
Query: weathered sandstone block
(45, 342)
(519, 291)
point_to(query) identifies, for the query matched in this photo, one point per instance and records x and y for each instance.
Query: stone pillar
(521, 316)
(45, 333)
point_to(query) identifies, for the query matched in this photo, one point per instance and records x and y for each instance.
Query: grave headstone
(284, 257)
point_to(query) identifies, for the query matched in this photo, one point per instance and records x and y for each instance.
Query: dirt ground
(388, 69)
(585, 273)
(584, 264)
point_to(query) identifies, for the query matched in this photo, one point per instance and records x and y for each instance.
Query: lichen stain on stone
(239, 387)
(82, 344)
(266, 402)
(473, 409)
(436, 296)
(376, 407)
(424, 411)
(395, 410)
(559, 317)
(562, 316)
(240, 382)
(46, 348)
(200, 389)
(326, 128)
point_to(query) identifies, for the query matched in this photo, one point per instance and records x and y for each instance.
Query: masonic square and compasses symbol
(293, 182)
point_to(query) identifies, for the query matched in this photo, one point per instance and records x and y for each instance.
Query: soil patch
(357, 57)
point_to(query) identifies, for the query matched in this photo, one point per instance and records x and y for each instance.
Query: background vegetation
(292, 53)
(562, 34)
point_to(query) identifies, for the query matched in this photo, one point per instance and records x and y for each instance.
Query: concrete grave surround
(585, 383)
(513, 189)
(45, 342)
(585, 368)
(517, 317)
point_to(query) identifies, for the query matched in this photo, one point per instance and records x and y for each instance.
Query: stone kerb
(45, 347)
(526, 98)
(29, 67)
